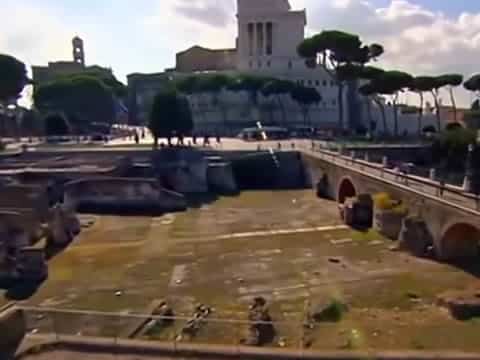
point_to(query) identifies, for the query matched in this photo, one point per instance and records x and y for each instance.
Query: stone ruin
(261, 330)
(358, 212)
(198, 320)
(29, 227)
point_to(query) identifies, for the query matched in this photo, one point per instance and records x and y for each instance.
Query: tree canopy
(13, 77)
(84, 99)
(342, 55)
(170, 116)
(450, 79)
(56, 125)
(117, 87)
(473, 84)
(305, 97)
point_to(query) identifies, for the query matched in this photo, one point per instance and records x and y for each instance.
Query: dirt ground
(288, 247)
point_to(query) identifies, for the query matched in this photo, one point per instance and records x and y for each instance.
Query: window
(259, 64)
(309, 82)
(317, 83)
(324, 82)
(332, 83)
(269, 63)
(290, 65)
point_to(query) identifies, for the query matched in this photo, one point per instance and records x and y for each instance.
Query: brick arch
(459, 240)
(346, 189)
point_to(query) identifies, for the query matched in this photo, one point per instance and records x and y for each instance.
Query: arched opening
(322, 187)
(460, 241)
(346, 190)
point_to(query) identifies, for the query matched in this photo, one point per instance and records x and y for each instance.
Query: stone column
(255, 39)
(265, 40)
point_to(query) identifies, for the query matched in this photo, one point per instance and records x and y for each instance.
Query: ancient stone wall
(13, 328)
(122, 195)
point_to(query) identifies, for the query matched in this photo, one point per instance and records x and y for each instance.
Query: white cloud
(33, 33)
(416, 39)
(209, 23)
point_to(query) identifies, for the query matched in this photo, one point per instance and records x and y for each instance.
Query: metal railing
(55, 325)
(446, 193)
(293, 334)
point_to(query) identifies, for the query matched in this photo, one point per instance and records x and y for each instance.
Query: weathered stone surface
(198, 319)
(415, 236)
(122, 195)
(358, 212)
(388, 223)
(32, 264)
(221, 179)
(261, 330)
(19, 262)
(181, 169)
(13, 327)
(59, 227)
(462, 305)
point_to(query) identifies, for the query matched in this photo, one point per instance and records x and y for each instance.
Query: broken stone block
(358, 212)
(165, 312)
(462, 305)
(261, 330)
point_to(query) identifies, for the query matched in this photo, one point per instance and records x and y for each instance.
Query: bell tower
(78, 51)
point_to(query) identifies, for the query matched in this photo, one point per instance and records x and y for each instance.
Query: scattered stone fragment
(118, 293)
(412, 295)
(334, 260)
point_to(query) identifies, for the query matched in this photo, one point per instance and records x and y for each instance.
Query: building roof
(198, 47)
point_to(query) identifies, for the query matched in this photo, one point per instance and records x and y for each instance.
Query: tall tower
(78, 51)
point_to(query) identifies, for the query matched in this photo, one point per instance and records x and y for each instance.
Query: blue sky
(421, 36)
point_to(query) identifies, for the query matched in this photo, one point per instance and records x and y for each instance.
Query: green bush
(334, 312)
(451, 148)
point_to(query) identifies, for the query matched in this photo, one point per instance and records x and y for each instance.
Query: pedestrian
(442, 186)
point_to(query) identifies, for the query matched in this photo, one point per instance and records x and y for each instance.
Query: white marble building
(269, 32)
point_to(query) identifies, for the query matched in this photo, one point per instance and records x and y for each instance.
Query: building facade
(269, 32)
